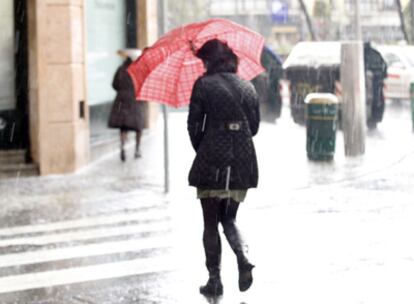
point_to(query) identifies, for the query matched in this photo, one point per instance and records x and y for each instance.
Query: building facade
(379, 20)
(283, 23)
(280, 21)
(57, 60)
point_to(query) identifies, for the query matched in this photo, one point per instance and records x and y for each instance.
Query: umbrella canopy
(270, 58)
(166, 71)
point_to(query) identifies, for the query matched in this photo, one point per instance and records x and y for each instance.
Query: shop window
(7, 98)
(106, 32)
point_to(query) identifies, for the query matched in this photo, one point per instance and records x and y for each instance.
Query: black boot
(123, 155)
(245, 276)
(213, 287)
(212, 248)
(239, 247)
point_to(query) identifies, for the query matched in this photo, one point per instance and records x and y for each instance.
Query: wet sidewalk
(334, 232)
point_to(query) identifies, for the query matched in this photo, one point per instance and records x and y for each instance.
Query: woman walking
(223, 118)
(127, 114)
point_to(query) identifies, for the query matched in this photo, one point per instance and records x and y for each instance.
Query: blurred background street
(318, 232)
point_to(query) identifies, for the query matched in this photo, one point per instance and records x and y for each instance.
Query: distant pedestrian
(127, 114)
(223, 118)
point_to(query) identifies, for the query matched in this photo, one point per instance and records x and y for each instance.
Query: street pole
(353, 91)
(166, 151)
(353, 97)
(165, 113)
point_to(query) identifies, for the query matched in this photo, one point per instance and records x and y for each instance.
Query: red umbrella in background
(166, 71)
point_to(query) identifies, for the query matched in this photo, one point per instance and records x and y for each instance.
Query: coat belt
(228, 126)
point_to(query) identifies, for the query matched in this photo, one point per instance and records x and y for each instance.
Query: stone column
(147, 31)
(58, 107)
(147, 22)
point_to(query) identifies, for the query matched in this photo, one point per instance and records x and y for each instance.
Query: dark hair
(218, 57)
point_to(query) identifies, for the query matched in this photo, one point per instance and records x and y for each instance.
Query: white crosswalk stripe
(83, 235)
(83, 274)
(41, 256)
(93, 237)
(79, 223)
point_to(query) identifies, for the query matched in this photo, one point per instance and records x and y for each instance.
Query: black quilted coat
(126, 112)
(223, 118)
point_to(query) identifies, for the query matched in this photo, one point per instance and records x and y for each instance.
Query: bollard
(412, 102)
(321, 113)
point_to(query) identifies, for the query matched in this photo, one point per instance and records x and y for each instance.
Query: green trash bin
(321, 113)
(412, 102)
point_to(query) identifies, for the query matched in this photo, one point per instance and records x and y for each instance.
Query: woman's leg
(212, 246)
(124, 137)
(228, 213)
(137, 143)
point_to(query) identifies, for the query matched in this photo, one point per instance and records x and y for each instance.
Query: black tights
(124, 137)
(222, 211)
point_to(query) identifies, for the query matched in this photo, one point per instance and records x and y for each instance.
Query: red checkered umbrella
(166, 71)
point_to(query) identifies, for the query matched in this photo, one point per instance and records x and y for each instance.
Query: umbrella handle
(192, 47)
